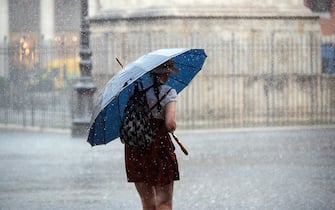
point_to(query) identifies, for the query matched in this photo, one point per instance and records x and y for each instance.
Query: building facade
(326, 10)
(263, 65)
(28, 25)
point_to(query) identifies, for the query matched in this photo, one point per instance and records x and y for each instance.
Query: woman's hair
(156, 84)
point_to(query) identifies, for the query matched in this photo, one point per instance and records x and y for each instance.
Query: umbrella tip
(119, 62)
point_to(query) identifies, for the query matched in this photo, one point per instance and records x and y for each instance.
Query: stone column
(4, 22)
(47, 24)
(4, 35)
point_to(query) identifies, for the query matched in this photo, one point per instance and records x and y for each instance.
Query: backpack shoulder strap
(160, 99)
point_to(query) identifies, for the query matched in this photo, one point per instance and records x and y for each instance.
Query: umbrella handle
(182, 147)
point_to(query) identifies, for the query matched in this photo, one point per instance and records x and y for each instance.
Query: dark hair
(156, 84)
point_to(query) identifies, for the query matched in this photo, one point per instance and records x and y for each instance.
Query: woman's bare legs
(164, 195)
(155, 197)
(147, 194)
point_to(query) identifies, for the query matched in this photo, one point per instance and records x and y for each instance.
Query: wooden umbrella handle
(180, 144)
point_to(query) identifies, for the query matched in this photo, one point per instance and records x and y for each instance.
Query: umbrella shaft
(180, 144)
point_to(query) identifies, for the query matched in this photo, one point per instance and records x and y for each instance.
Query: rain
(257, 120)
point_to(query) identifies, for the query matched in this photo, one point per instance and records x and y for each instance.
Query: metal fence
(263, 82)
(253, 79)
(36, 88)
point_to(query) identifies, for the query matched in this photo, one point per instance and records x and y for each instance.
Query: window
(320, 5)
(328, 58)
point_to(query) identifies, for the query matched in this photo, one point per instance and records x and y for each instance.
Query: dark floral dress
(156, 166)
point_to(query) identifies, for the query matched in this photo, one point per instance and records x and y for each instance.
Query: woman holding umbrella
(154, 170)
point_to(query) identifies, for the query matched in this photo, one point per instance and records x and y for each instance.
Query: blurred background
(269, 63)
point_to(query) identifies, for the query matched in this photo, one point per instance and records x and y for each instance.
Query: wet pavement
(271, 168)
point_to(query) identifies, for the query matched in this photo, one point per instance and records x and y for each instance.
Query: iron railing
(242, 84)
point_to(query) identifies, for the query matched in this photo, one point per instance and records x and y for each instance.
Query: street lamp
(24, 49)
(85, 87)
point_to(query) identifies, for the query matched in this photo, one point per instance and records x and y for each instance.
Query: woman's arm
(170, 116)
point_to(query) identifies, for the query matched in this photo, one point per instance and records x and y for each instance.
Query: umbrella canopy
(108, 111)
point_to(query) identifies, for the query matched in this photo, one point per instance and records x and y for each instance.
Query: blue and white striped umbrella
(108, 111)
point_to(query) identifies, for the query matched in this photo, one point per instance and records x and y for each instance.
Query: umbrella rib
(180, 81)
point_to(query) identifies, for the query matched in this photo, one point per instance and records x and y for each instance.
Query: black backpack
(136, 129)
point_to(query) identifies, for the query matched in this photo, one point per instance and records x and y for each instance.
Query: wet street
(283, 168)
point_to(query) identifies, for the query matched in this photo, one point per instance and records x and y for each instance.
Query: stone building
(264, 59)
(263, 66)
(29, 25)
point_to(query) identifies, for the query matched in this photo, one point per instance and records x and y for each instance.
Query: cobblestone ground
(286, 168)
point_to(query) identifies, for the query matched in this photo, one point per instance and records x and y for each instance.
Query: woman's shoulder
(171, 93)
(166, 88)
